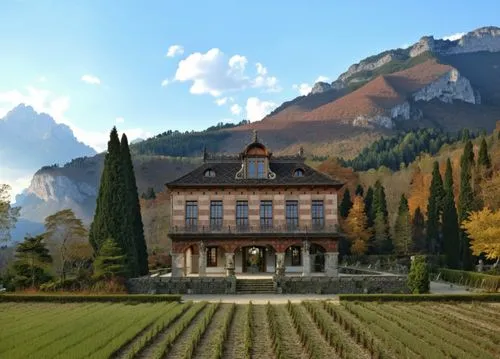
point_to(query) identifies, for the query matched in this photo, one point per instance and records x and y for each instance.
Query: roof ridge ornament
(254, 136)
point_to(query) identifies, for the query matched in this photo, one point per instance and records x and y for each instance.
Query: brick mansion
(254, 213)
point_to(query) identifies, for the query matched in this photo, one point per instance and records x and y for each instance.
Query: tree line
(457, 230)
(403, 148)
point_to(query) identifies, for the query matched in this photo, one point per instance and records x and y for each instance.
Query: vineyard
(217, 330)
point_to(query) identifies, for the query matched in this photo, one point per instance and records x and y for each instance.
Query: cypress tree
(345, 204)
(451, 242)
(402, 229)
(484, 159)
(110, 217)
(134, 226)
(418, 231)
(368, 206)
(359, 190)
(379, 201)
(434, 209)
(466, 202)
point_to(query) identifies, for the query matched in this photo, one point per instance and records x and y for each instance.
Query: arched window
(209, 173)
(299, 172)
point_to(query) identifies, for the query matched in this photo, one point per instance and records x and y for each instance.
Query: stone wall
(287, 285)
(205, 285)
(344, 285)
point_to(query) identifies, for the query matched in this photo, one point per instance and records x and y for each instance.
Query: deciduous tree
(483, 228)
(66, 237)
(8, 214)
(356, 227)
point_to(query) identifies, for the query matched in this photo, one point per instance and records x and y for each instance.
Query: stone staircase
(255, 286)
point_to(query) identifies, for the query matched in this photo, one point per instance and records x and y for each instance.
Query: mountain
(29, 140)
(441, 84)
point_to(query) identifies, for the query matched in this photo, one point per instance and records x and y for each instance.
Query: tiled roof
(226, 169)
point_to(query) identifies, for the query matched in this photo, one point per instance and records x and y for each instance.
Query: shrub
(490, 283)
(420, 297)
(418, 278)
(133, 298)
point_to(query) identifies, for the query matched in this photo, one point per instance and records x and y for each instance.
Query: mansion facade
(254, 213)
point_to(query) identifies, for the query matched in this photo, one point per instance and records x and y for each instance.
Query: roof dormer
(255, 161)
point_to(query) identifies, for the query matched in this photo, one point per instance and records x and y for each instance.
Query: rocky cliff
(482, 39)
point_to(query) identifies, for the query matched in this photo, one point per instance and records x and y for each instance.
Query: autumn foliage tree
(483, 229)
(356, 227)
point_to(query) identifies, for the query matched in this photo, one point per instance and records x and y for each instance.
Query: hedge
(486, 297)
(132, 298)
(490, 283)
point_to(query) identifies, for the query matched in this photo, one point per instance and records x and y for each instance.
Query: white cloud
(221, 101)
(257, 109)
(175, 50)
(119, 120)
(322, 78)
(454, 37)
(91, 79)
(165, 83)
(303, 88)
(215, 73)
(236, 109)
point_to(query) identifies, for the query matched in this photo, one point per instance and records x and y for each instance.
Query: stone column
(202, 260)
(177, 264)
(331, 264)
(280, 263)
(229, 264)
(306, 259)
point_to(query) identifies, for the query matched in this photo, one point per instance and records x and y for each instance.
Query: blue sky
(93, 64)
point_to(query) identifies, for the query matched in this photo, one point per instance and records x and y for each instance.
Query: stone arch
(317, 255)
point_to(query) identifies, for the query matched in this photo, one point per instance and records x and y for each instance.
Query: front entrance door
(254, 259)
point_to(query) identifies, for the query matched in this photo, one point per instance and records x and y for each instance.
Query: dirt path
(262, 347)
(234, 346)
(208, 344)
(184, 339)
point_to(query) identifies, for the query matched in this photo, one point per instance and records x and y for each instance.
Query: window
(299, 172)
(292, 214)
(242, 214)
(266, 214)
(209, 173)
(191, 214)
(256, 168)
(211, 256)
(216, 214)
(296, 257)
(318, 214)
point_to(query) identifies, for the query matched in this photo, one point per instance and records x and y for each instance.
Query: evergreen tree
(368, 206)
(345, 204)
(419, 276)
(379, 201)
(484, 159)
(450, 228)
(149, 194)
(134, 225)
(111, 217)
(418, 231)
(466, 202)
(359, 190)
(434, 209)
(32, 258)
(402, 229)
(110, 263)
